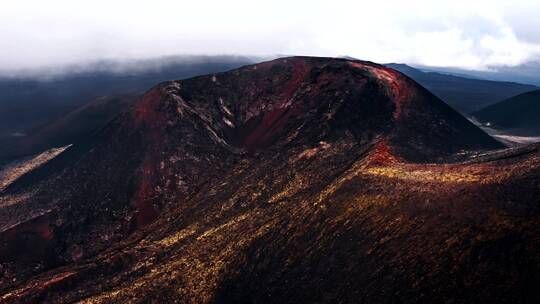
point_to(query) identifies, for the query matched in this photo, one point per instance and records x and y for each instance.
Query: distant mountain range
(463, 93)
(528, 73)
(519, 114)
(41, 111)
(28, 101)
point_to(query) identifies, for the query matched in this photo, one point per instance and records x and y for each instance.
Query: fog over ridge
(475, 35)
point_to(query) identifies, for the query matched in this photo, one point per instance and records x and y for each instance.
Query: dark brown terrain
(299, 180)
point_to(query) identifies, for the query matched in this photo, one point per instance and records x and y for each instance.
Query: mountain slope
(295, 180)
(464, 94)
(71, 128)
(521, 114)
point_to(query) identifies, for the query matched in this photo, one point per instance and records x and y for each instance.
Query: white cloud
(470, 34)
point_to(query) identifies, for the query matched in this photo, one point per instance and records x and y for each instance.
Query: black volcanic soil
(295, 180)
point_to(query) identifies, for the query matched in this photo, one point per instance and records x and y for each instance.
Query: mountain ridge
(296, 180)
(518, 114)
(464, 94)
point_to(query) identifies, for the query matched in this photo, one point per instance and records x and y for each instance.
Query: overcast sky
(471, 34)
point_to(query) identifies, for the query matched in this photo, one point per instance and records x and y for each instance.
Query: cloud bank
(466, 34)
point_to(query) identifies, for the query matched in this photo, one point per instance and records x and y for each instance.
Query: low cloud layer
(466, 34)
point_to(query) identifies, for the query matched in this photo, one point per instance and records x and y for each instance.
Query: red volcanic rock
(294, 180)
(396, 84)
(383, 155)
